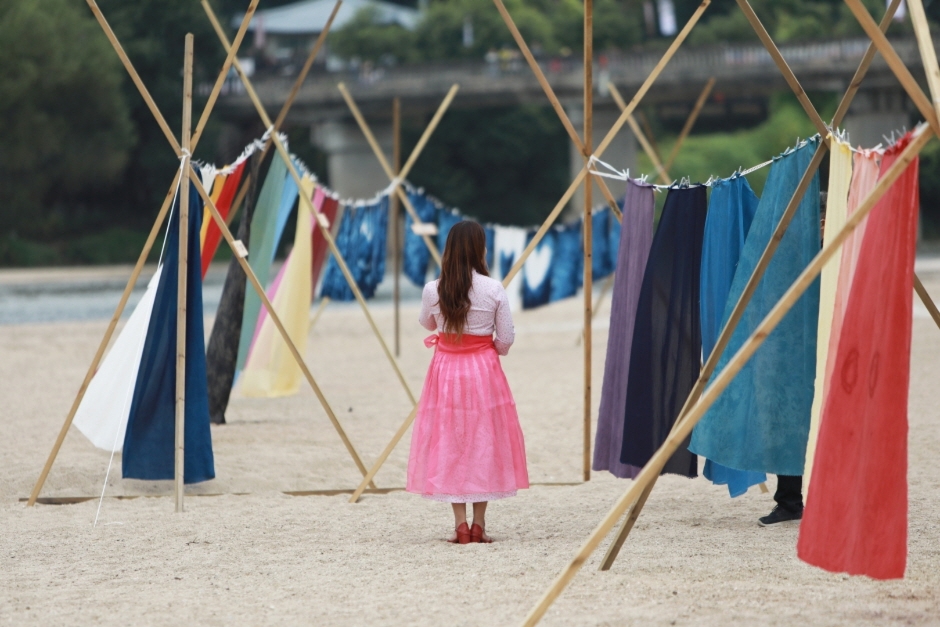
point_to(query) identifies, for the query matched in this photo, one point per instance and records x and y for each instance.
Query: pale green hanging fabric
(263, 232)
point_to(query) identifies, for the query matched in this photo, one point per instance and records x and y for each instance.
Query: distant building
(282, 37)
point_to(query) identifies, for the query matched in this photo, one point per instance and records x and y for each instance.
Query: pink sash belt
(448, 343)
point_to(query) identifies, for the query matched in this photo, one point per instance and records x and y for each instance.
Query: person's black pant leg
(789, 493)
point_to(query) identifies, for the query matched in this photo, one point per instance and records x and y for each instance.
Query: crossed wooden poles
(699, 401)
(184, 152)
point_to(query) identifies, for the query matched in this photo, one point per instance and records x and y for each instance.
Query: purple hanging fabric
(636, 237)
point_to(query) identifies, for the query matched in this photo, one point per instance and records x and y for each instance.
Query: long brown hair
(464, 252)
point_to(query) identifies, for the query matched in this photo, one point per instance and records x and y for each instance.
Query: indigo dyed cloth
(567, 262)
(415, 253)
(761, 420)
(509, 242)
(261, 254)
(665, 358)
(536, 273)
(150, 441)
(730, 212)
(490, 244)
(446, 218)
(362, 237)
(633, 251)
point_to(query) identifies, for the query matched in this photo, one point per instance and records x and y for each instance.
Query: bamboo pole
(182, 269)
(587, 229)
(144, 253)
(894, 62)
(690, 122)
(403, 174)
(308, 205)
(324, 301)
(384, 456)
(751, 286)
(928, 302)
(652, 469)
(641, 92)
(285, 108)
(396, 227)
(253, 279)
(640, 136)
(783, 67)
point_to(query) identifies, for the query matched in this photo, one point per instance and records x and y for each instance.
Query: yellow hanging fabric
(271, 369)
(840, 176)
(217, 186)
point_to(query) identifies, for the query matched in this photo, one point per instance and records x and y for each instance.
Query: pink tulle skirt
(467, 445)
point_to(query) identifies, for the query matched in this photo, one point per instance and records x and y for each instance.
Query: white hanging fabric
(102, 415)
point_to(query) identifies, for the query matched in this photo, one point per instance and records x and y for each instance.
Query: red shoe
(463, 535)
(476, 535)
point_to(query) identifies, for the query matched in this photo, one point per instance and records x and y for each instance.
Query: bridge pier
(621, 153)
(354, 170)
(875, 113)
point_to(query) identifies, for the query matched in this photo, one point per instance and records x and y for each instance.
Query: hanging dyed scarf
(602, 261)
(363, 232)
(263, 230)
(446, 219)
(509, 242)
(215, 192)
(415, 253)
(864, 178)
(213, 235)
(567, 262)
(730, 212)
(665, 356)
(633, 251)
(840, 176)
(149, 441)
(856, 510)
(102, 414)
(222, 352)
(536, 273)
(761, 421)
(328, 206)
(271, 369)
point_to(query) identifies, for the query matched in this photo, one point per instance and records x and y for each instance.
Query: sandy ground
(257, 556)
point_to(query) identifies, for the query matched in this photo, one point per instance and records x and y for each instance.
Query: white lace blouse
(489, 312)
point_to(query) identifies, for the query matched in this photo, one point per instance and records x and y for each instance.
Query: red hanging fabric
(224, 205)
(328, 208)
(856, 510)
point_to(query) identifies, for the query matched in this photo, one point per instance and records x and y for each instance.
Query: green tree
(366, 38)
(66, 127)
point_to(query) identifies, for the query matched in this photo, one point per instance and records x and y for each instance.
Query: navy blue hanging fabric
(149, 441)
(665, 356)
(490, 245)
(361, 241)
(567, 262)
(415, 253)
(537, 271)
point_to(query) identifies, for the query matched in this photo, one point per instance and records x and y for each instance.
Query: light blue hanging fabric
(415, 253)
(761, 421)
(261, 250)
(730, 212)
(289, 198)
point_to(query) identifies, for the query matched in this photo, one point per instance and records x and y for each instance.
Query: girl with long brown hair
(467, 446)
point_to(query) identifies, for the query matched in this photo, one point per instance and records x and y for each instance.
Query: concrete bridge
(746, 77)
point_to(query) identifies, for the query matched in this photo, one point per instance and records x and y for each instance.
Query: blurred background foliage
(84, 167)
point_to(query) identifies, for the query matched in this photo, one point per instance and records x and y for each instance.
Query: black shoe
(779, 515)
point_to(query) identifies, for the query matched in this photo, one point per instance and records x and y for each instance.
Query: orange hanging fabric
(224, 204)
(856, 510)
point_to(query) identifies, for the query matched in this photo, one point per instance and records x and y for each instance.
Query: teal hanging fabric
(261, 254)
(730, 213)
(761, 421)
